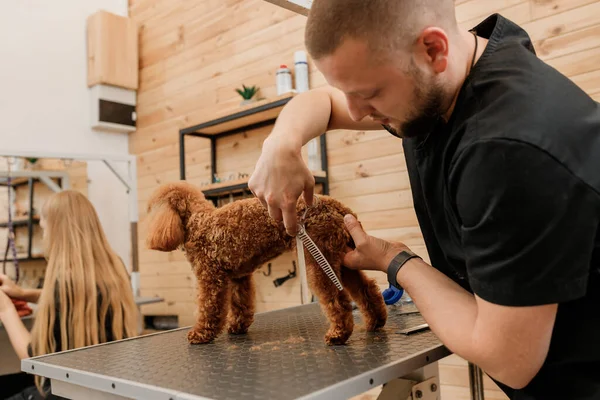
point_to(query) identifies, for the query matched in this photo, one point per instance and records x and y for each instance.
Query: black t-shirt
(507, 195)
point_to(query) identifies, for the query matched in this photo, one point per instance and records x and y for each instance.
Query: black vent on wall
(117, 113)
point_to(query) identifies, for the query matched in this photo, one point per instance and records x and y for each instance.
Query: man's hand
(370, 252)
(278, 180)
(10, 288)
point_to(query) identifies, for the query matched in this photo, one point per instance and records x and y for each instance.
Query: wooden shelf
(14, 181)
(20, 222)
(238, 185)
(23, 257)
(252, 116)
(248, 115)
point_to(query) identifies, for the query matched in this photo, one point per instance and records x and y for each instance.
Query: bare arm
(281, 176)
(311, 114)
(508, 343)
(30, 295)
(17, 332)
(16, 292)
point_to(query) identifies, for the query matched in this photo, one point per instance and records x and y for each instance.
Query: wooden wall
(194, 53)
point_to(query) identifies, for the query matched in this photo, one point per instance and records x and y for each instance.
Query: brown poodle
(226, 245)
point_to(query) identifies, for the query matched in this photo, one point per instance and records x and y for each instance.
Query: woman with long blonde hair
(86, 298)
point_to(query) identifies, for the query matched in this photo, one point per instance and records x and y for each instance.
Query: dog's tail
(169, 208)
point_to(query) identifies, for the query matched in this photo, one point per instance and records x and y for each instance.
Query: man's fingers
(351, 260)
(356, 231)
(290, 219)
(275, 213)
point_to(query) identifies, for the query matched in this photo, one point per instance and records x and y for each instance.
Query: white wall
(44, 100)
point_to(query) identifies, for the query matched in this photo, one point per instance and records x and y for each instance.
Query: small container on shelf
(284, 80)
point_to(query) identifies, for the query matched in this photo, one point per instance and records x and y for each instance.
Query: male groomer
(503, 154)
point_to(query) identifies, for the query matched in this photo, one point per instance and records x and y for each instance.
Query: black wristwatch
(396, 264)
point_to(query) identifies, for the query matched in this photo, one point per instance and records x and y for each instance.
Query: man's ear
(433, 47)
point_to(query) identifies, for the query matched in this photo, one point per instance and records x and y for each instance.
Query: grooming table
(283, 356)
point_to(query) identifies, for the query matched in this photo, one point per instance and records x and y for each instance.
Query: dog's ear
(165, 229)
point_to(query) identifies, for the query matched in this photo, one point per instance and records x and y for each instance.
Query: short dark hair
(386, 25)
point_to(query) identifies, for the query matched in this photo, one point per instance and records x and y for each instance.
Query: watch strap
(397, 263)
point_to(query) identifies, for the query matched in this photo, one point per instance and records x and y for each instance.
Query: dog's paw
(238, 325)
(336, 336)
(237, 329)
(375, 324)
(196, 337)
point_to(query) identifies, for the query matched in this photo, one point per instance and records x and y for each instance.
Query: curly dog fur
(225, 245)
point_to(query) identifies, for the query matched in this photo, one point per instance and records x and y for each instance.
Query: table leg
(422, 384)
(476, 382)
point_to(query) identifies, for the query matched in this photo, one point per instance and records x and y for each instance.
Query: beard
(428, 112)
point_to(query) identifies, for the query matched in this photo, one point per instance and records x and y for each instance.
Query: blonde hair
(82, 269)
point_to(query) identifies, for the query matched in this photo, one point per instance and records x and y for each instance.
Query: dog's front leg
(213, 303)
(241, 314)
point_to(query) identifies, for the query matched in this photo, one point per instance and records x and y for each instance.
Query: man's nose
(358, 108)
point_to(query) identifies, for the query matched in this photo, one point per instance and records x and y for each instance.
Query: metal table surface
(283, 356)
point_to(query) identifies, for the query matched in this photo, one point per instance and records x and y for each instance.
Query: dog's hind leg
(241, 313)
(368, 298)
(335, 304)
(213, 303)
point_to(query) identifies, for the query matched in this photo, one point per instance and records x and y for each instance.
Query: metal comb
(318, 256)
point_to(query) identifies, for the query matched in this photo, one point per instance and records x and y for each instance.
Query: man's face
(404, 99)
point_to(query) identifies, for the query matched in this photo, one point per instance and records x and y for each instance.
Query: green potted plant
(31, 163)
(247, 94)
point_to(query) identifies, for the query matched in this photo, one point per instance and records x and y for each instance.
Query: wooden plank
(589, 82)
(410, 236)
(544, 8)
(170, 295)
(565, 22)
(370, 185)
(215, 26)
(223, 29)
(341, 138)
(568, 43)
(184, 281)
(482, 8)
(153, 256)
(518, 13)
(204, 65)
(577, 63)
(360, 152)
(365, 168)
(159, 268)
(379, 201)
(170, 308)
(169, 16)
(387, 219)
(171, 41)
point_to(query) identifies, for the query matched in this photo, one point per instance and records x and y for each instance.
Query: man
(503, 155)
